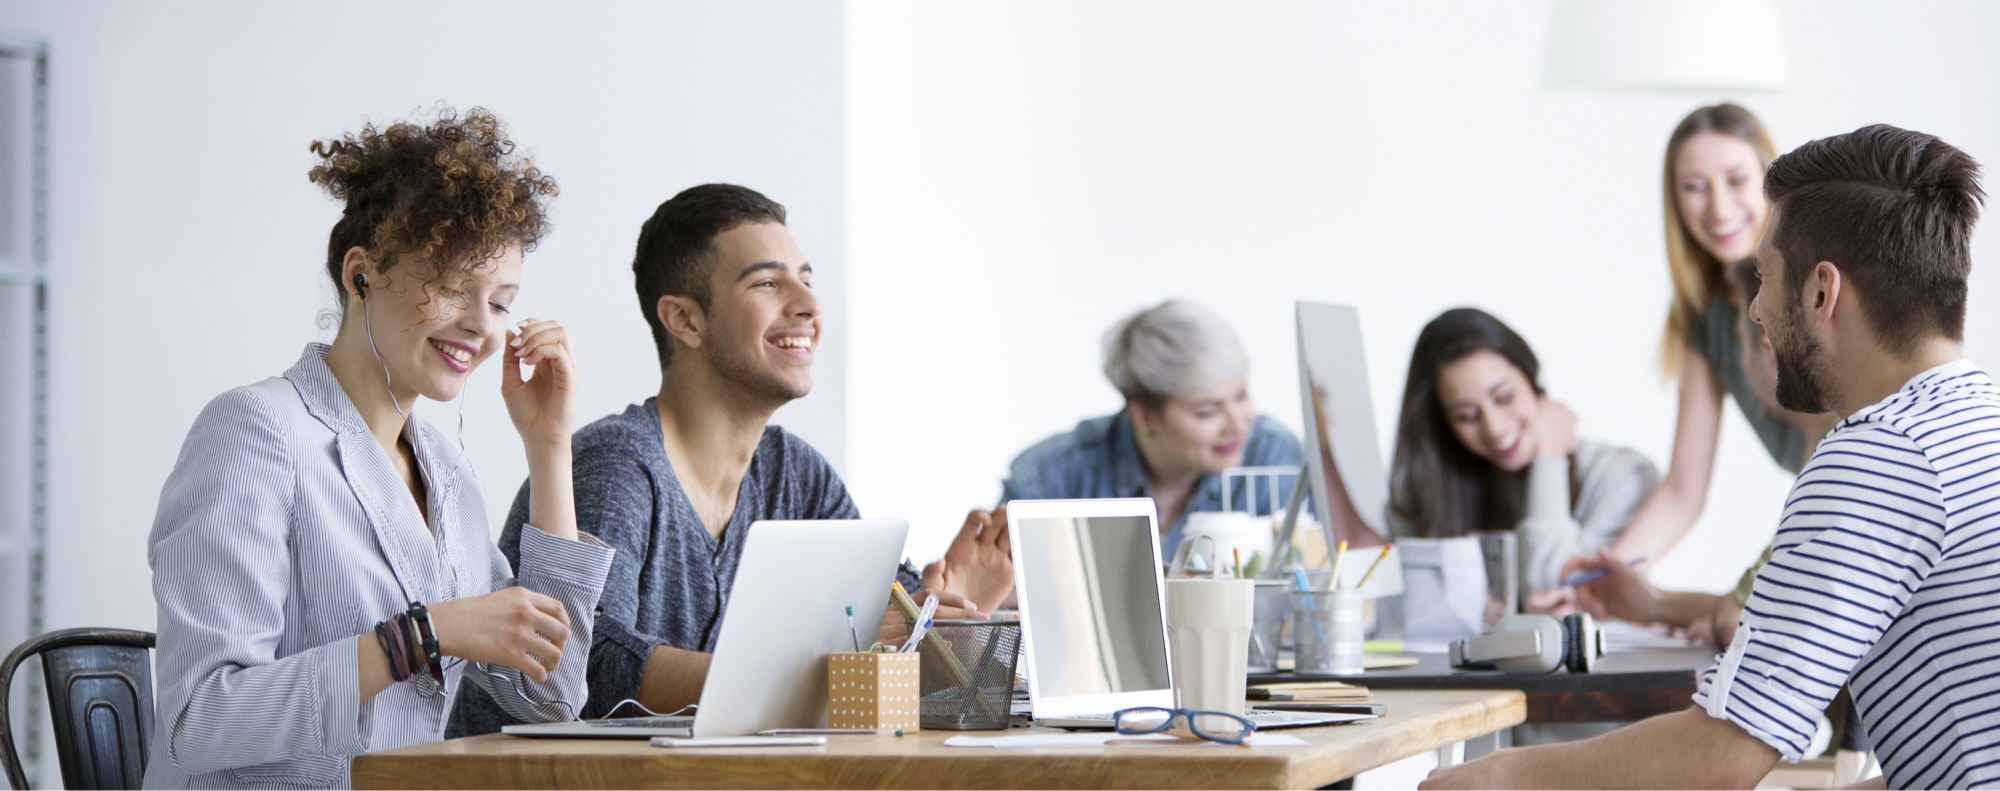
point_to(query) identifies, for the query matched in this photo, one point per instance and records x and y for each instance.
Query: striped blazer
(284, 535)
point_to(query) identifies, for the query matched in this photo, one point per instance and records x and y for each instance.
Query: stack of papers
(1307, 690)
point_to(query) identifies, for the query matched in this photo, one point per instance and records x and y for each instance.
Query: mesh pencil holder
(1267, 624)
(968, 674)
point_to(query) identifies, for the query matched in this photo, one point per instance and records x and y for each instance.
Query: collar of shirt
(1128, 473)
(422, 559)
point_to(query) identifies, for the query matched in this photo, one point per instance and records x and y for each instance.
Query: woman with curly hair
(321, 559)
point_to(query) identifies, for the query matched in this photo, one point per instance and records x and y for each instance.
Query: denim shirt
(1100, 459)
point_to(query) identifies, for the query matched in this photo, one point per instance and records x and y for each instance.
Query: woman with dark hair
(321, 556)
(1480, 446)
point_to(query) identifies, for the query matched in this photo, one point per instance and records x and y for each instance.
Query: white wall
(1021, 175)
(188, 246)
(983, 189)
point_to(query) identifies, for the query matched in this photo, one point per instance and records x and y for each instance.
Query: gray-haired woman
(1187, 417)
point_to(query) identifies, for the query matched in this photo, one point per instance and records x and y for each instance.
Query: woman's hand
(1555, 429)
(1553, 602)
(543, 408)
(1621, 593)
(514, 627)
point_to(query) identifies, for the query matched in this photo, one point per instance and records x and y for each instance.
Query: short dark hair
(677, 246)
(1436, 485)
(1894, 209)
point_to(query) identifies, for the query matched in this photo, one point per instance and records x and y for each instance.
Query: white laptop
(1093, 613)
(785, 613)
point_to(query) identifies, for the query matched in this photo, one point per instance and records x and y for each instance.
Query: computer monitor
(1343, 454)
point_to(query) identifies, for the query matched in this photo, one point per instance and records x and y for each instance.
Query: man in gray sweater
(675, 482)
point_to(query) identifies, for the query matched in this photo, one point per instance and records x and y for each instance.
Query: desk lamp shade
(1645, 46)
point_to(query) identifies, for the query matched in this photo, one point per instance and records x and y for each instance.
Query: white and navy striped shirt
(1885, 576)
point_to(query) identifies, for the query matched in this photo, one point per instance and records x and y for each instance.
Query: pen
(1239, 562)
(1592, 576)
(1375, 565)
(923, 623)
(1299, 579)
(852, 633)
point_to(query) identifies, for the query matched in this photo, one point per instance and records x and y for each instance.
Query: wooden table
(1417, 722)
(1625, 685)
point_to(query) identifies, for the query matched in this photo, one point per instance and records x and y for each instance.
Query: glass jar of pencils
(1327, 632)
(968, 674)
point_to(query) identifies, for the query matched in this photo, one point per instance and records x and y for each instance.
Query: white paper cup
(1208, 628)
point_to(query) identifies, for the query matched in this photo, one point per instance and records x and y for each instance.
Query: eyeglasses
(1214, 726)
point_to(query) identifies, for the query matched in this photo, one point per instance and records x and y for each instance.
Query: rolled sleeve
(1762, 706)
(572, 572)
(1862, 531)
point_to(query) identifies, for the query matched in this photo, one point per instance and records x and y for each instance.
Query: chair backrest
(100, 684)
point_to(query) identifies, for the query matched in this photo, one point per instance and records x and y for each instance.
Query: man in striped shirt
(1885, 574)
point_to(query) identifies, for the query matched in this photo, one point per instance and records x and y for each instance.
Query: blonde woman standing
(1713, 197)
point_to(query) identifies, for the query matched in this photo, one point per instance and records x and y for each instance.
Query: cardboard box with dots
(873, 690)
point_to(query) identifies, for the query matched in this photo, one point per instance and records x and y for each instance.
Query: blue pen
(1593, 576)
(1305, 587)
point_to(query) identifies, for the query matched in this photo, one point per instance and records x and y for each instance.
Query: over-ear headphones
(361, 285)
(1533, 644)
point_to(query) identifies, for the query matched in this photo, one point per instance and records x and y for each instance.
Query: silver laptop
(1093, 613)
(785, 613)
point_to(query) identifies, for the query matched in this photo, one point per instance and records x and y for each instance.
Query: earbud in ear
(361, 284)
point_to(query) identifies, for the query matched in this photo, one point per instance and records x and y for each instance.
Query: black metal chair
(100, 684)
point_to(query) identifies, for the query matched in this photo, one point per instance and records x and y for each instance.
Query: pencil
(1373, 566)
(936, 641)
(1338, 556)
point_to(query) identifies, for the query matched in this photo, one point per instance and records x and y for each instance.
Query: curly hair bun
(438, 199)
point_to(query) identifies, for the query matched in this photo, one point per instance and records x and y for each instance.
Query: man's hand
(979, 565)
(951, 606)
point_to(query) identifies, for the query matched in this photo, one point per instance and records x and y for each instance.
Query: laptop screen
(1094, 582)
